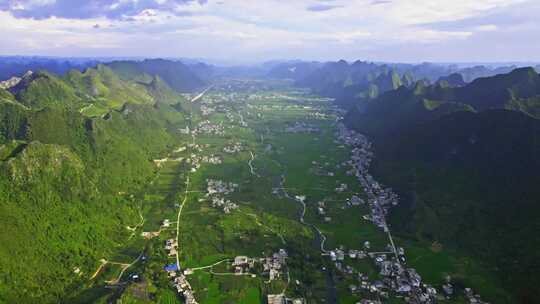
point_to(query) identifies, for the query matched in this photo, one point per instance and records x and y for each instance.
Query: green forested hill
(349, 83)
(405, 107)
(68, 147)
(465, 161)
(177, 75)
(42, 89)
(53, 222)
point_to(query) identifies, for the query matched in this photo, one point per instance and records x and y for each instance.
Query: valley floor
(257, 205)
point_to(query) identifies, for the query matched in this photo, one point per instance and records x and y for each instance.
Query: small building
(171, 267)
(240, 260)
(276, 299)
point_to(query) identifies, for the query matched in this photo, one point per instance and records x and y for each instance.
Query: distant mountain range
(351, 83)
(16, 66)
(466, 161)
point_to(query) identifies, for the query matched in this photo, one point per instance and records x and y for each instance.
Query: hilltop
(175, 74)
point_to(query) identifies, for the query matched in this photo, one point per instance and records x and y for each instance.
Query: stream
(319, 240)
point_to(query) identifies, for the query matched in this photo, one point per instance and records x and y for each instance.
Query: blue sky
(257, 30)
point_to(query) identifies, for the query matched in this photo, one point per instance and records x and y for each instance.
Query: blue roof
(171, 267)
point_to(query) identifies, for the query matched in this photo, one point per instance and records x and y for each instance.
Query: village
(397, 278)
(394, 277)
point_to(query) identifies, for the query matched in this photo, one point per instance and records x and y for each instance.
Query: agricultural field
(257, 173)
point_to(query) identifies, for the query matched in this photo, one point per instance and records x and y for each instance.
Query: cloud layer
(86, 9)
(241, 30)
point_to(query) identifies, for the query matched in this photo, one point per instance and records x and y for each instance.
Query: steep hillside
(452, 80)
(469, 181)
(404, 107)
(465, 161)
(62, 172)
(42, 89)
(479, 71)
(395, 110)
(517, 90)
(355, 83)
(53, 221)
(351, 83)
(102, 85)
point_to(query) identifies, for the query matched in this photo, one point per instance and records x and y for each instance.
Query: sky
(242, 31)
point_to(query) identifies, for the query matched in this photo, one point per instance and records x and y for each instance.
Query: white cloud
(486, 28)
(260, 29)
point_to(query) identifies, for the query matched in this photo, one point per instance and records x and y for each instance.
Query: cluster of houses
(216, 190)
(219, 187)
(178, 278)
(380, 199)
(224, 204)
(302, 127)
(206, 127)
(196, 161)
(233, 148)
(243, 264)
(339, 254)
(197, 147)
(172, 247)
(318, 115)
(281, 299)
(181, 284)
(206, 110)
(230, 117)
(397, 279)
(274, 265)
(355, 200)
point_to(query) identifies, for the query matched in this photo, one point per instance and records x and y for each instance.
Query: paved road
(196, 98)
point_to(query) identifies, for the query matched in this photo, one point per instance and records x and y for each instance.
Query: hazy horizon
(226, 63)
(238, 32)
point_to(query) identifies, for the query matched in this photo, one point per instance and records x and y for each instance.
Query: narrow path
(103, 263)
(265, 226)
(141, 223)
(178, 221)
(210, 266)
(187, 191)
(124, 268)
